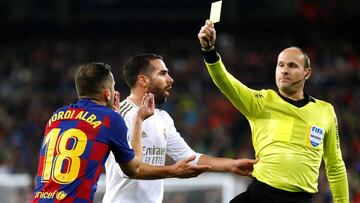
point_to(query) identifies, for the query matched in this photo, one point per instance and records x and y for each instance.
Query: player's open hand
(147, 107)
(116, 105)
(207, 36)
(243, 167)
(184, 169)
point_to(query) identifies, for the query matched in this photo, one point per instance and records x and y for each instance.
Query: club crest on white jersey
(165, 133)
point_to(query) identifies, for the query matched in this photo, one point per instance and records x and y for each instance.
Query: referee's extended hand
(184, 169)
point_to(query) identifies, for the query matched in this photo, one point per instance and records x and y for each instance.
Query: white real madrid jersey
(159, 138)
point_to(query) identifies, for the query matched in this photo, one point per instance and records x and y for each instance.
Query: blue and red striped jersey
(76, 144)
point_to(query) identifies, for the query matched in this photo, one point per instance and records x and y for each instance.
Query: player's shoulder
(63, 108)
(111, 113)
(93, 108)
(322, 103)
(127, 107)
(101, 109)
(160, 113)
(103, 112)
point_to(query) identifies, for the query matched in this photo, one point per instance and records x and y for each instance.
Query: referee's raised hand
(207, 36)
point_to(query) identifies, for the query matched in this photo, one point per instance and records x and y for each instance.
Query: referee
(291, 131)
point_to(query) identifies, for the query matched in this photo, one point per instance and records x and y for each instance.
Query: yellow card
(215, 11)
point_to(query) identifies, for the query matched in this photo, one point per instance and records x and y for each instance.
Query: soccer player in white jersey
(148, 73)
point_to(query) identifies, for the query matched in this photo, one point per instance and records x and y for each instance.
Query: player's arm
(177, 148)
(242, 167)
(181, 169)
(185, 169)
(145, 110)
(334, 164)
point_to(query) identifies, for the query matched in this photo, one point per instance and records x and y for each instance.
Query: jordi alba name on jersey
(76, 143)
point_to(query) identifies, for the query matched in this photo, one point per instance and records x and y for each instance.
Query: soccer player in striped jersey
(292, 132)
(79, 137)
(146, 73)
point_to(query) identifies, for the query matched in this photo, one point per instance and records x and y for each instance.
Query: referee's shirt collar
(299, 103)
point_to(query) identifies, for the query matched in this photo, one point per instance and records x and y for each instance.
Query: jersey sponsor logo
(154, 160)
(154, 155)
(59, 195)
(153, 150)
(316, 135)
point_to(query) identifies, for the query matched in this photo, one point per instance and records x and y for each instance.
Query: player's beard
(159, 99)
(159, 96)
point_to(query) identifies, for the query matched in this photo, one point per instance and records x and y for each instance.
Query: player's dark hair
(138, 64)
(306, 57)
(91, 79)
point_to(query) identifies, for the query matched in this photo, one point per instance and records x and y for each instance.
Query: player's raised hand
(116, 105)
(184, 169)
(147, 107)
(207, 36)
(243, 167)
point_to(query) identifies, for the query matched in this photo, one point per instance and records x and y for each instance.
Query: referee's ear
(308, 72)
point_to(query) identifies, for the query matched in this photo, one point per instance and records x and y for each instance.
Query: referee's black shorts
(259, 192)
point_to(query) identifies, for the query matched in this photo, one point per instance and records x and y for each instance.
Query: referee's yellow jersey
(290, 141)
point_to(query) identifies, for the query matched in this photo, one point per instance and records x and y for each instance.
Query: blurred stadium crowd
(37, 76)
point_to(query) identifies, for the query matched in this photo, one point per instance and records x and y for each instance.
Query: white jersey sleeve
(177, 148)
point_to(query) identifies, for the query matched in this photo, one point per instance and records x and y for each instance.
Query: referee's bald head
(302, 52)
